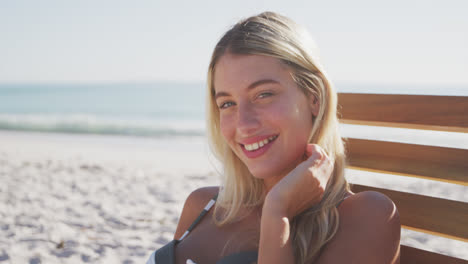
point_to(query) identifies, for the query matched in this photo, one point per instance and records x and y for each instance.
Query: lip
(260, 151)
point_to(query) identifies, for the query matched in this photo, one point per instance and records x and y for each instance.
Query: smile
(259, 144)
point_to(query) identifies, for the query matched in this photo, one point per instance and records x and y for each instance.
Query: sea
(146, 110)
(157, 109)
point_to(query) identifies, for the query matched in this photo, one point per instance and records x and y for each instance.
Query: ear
(314, 105)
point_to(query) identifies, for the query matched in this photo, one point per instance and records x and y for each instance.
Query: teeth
(260, 144)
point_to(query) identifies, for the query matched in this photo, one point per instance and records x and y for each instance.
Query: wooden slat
(436, 216)
(446, 113)
(410, 255)
(430, 162)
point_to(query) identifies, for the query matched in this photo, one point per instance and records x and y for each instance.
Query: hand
(304, 186)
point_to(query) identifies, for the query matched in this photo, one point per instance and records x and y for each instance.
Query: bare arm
(300, 189)
(275, 239)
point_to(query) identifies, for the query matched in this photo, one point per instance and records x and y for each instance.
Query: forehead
(235, 71)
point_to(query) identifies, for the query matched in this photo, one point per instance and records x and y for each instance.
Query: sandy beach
(108, 199)
(93, 199)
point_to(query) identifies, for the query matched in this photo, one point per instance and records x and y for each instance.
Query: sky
(415, 42)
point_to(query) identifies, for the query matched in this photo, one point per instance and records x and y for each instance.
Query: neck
(270, 182)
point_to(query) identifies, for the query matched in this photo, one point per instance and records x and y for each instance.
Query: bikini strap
(200, 217)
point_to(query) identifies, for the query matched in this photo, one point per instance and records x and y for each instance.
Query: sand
(108, 199)
(93, 199)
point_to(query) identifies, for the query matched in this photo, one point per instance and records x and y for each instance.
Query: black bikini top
(166, 254)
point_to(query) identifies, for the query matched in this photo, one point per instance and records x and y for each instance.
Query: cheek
(293, 114)
(227, 128)
(297, 117)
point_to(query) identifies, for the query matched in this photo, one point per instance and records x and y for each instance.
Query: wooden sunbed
(436, 216)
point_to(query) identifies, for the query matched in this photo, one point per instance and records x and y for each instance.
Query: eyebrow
(250, 87)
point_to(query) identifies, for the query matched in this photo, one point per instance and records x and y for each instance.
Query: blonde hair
(273, 35)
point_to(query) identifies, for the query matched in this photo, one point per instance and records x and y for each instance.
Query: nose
(248, 121)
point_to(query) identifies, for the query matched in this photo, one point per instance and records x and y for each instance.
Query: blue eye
(226, 105)
(265, 94)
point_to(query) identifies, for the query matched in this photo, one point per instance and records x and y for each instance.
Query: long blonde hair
(273, 35)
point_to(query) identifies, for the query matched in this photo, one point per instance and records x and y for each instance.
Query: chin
(260, 176)
(268, 171)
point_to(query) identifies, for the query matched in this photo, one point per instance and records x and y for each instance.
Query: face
(264, 117)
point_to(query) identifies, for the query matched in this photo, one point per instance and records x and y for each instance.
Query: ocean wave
(88, 124)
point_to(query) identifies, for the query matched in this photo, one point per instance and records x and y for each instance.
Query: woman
(272, 123)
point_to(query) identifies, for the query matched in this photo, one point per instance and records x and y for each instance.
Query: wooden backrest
(436, 216)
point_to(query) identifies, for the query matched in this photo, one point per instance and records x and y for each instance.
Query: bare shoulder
(368, 205)
(193, 205)
(369, 231)
(201, 195)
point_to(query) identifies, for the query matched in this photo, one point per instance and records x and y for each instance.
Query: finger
(314, 153)
(324, 155)
(327, 157)
(311, 148)
(308, 152)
